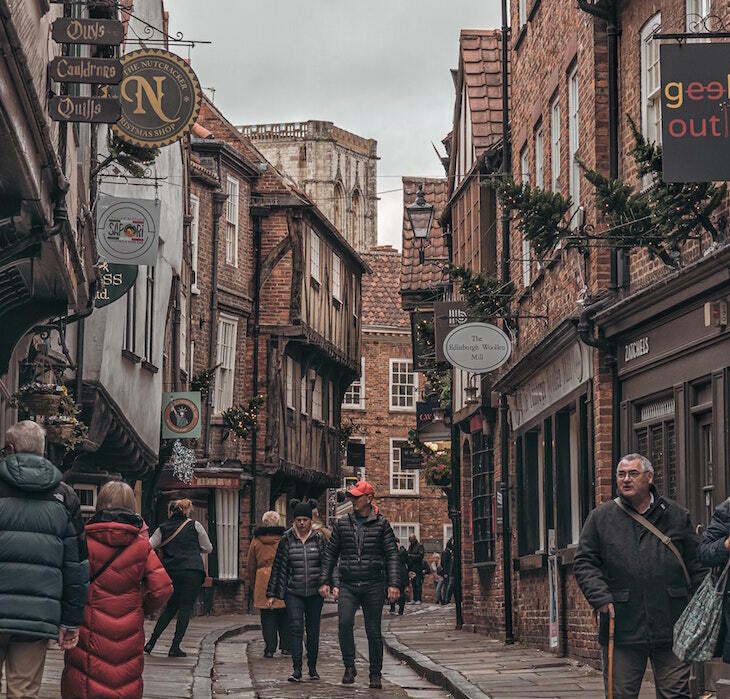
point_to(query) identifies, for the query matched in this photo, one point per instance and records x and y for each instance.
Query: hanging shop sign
(127, 230)
(447, 315)
(355, 455)
(160, 97)
(96, 110)
(410, 459)
(100, 32)
(181, 415)
(114, 281)
(695, 98)
(422, 353)
(424, 410)
(477, 347)
(97, 71)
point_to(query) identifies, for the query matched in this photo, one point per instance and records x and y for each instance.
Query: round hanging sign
(160, 97)
(181, 415)
(477, 347)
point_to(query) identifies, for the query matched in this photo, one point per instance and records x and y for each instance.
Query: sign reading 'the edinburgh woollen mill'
(477, 347)
(695, 99)
(160, 98)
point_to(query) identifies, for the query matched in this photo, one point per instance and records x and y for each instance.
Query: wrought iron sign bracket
(707, 27)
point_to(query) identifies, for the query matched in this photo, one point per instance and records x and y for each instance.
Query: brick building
(382, 406)
(611, 351)
(335, 168)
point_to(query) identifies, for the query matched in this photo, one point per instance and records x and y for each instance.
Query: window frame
(555, 145)
(87, 511)
(392, 471)
(573, 141)
(416, 530)
(399, 408)
(317, 398)
(650, 96)
(290, 382)
(183, 342)
(194, 241)
(312, 247)
(522, 12)
(526, 248)
(347, 405)
(149, 314)
(303, 394)
(223, 320)
(232, 204)
(336, 276)
(484, 535)
(539, 157)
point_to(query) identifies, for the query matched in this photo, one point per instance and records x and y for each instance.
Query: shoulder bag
(174, 534)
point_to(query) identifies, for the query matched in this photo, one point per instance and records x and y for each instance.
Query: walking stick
(611, 621)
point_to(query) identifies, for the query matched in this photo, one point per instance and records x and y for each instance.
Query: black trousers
(298, 609)
(417, 583)
(186, 586)
(274, 624)
(370, 597)
(671, 675)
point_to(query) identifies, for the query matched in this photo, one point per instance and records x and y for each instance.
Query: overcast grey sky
(379, 68)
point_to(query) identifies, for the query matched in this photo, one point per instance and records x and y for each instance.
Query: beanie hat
(301, 509)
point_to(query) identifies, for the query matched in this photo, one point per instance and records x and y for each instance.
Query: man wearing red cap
(364, 543)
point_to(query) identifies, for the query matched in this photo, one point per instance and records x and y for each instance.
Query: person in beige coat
(261, 555)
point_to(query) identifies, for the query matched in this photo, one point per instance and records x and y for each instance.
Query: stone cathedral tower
(336, 168)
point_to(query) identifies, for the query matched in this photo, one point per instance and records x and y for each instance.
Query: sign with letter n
(695, 99)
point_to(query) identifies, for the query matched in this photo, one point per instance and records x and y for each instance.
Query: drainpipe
(504, 488)
(219, 199)
(176, 316)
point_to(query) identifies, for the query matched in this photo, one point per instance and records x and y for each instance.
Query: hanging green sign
(114, 281)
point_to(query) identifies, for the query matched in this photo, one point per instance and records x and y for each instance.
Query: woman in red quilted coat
(127, 581)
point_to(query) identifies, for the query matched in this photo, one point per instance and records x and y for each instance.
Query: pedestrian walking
(43, 560)
(364, 544)
(435, 570)
(447, 570)
(403, 580)
(295, 579)
(127, 581)
(640, 581)
(261, 555)
(318, 523)
(715, 551)
(181, 541)
(416, 553)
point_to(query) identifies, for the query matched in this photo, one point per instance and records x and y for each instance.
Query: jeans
(24, 661)
(186, 586)
(274, 624)
(440, 589)
(671, 675)
(449, 590)
(297, 609)
(370, 597)
(417, 588)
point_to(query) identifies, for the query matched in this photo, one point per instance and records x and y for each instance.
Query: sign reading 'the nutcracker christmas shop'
(160, 98)
(127, 230)
(695, 99)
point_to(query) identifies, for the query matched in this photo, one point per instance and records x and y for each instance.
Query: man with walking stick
(637, 565)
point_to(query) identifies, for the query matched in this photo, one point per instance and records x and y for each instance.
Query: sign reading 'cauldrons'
(101, 32)
(98, 71)
(695, 100)
(160, 98)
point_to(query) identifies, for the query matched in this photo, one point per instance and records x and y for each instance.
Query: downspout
(176, 316)
(504, 488)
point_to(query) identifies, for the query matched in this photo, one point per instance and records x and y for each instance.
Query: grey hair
(271, 519)
(27, 437)
(645, 463)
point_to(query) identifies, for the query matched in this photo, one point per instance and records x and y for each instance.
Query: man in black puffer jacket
(44, 571)
(367, 551)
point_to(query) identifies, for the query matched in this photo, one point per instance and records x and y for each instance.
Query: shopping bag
(697, 629)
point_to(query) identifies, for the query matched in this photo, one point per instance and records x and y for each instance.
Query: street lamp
(420, 214)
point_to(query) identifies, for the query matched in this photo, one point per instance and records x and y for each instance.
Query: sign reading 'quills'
(92, 109)
(101, 32)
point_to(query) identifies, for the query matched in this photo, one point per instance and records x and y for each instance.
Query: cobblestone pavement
(239, 657)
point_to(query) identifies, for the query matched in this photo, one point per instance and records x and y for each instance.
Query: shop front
(673, 354)
(219, 500)
(550, 406)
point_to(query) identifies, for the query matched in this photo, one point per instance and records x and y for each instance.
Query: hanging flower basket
(437, 469)
(40, 398)
(58, 433)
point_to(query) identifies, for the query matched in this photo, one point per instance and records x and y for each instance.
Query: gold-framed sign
(160, 98)
(181, 415)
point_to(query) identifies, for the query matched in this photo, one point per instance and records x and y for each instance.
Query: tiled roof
(480, 68)
(414, 276)
(381, 305)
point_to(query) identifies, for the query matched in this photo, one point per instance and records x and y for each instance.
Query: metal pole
(505, 276)
(255, 373)
(612, 35)
(455, 516)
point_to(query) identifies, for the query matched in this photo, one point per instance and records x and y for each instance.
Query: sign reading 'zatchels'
(100, 110)
(695, 99)
(160, 97)
(97, 71)
(100, 32)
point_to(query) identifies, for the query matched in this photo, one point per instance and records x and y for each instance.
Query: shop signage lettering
(98, 71)
(410, 459)
(181, 415)
(114, 282)
(101, 32)
(160, 98)
(99, 110)
(636, 349)
(695, 98)
(127, 230)
(355, 455)
(208, 482)
(424, 410)
(477, 347)
(563, 375)
(447, 316)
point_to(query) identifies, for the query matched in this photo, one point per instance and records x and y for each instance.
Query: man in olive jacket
(44, 571)
(628, 573)
(366, 548)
